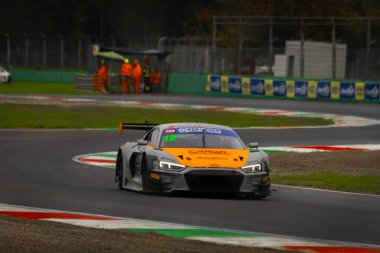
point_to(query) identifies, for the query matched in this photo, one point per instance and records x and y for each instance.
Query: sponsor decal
(155, 176)
(371, 91)
(312, 89)
(208, 152)
(170, 131)
(347, 90)
(279, 88)
(269, 87)
(323, 89)
(359, 91)
(335, 90)
(208, 84)
(234, 85)
(211, 158)
(224, 80)
(246, 85)
(215, 83)
(199, 130)
(290, 88)
(257, 86)
(301, 89)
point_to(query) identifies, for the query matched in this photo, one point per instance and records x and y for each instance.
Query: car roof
(192, 125)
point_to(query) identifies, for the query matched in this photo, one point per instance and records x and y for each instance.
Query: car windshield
(197, 137)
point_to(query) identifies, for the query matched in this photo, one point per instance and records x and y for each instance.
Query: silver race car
(191, 157)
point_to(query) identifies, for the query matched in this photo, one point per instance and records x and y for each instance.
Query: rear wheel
(119, 170)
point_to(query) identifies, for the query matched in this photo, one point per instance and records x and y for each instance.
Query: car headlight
(170, 166)
(253, 168)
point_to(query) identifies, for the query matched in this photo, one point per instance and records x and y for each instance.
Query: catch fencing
(57, 51)
(236, 46)
(257, 40)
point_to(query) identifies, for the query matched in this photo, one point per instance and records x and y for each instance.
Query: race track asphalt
(37, 170)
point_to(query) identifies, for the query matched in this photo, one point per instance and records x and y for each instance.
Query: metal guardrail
(86, 82)
(92, 82)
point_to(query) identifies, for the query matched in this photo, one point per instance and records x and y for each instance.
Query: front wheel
(119, 170)
(144, 175)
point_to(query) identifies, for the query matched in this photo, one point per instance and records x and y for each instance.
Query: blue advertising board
(347, 90)
(215, 83)
(258, 86)
(371, 91)
(234, 85)
(279, 88)
(301, 89)
(323, 89)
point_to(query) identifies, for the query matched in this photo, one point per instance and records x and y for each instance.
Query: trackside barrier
(26, 75)
(186, 83)
(93, 82)
(285, 88)
(87, 82)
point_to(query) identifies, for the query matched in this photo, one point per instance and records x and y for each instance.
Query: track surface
(37, 170)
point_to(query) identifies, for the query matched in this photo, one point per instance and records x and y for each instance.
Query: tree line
(131, 19)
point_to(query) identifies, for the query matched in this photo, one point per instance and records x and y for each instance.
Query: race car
(5, 76)
(195, 157)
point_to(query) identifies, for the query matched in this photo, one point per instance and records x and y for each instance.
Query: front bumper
(209, 180)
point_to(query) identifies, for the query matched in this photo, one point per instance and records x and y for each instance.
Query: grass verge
(42, 88)
(22, 235)
(350, 171)
(332, 181)
(89, 116)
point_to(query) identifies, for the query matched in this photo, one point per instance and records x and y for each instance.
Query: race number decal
(170, 138)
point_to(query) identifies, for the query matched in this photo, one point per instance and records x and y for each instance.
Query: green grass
(53, 116)
(331, 181)
(42, 88)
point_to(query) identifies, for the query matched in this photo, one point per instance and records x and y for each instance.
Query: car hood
(209, 157)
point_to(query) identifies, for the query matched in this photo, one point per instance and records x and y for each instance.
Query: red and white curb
(104, 159)
(220, 236)
(108, 159)
(339, 120)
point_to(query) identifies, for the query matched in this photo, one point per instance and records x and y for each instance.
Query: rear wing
(136, 126)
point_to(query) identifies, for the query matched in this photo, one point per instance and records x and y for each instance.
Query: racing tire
(252, 196)
(119, 170)
(258, 197)
(144, 175)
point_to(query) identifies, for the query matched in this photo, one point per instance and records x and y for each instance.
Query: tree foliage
(126, 19)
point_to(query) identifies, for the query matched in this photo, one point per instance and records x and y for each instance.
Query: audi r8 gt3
(191, 157)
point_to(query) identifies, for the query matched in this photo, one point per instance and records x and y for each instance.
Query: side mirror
(253, 145)
(142, 142)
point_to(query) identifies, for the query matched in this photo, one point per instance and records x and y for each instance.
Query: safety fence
(316, 47)
(293, 88)
(57, 51)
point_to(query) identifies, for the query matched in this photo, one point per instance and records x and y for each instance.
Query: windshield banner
(199, 130)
